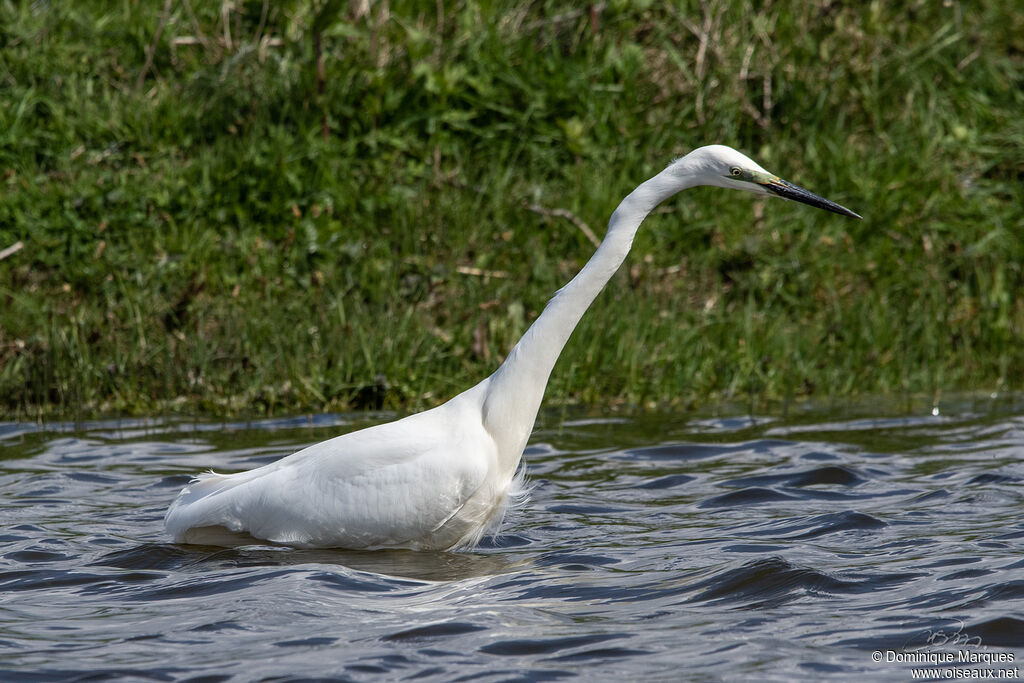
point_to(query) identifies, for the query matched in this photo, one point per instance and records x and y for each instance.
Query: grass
(208, 225)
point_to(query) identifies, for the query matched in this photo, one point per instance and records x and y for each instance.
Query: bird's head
(723, 166)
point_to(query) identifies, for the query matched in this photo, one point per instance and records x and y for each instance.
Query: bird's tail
(204, 512)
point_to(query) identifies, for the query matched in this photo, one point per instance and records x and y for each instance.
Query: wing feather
(392, 485)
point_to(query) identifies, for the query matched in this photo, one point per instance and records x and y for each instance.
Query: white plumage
(443, 478)
(424, 481)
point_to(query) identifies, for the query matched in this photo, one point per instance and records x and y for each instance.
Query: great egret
(443, 478)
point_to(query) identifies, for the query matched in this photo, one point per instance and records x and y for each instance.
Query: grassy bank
(209, 222)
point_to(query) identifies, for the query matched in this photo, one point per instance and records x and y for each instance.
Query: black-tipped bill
(788, 190)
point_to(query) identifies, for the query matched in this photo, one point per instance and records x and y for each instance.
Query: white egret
(443, 478)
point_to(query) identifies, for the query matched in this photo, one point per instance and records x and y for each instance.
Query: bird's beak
(787, 190)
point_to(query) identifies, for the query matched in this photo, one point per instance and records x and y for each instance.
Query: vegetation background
(249, 206)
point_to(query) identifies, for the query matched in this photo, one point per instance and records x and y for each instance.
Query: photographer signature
(937, 638)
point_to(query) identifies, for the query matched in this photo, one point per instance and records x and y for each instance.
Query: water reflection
(420, 566)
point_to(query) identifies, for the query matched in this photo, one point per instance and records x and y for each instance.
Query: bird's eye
(735, 171)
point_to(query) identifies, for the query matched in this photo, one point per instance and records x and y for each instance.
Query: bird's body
(442, 478)
(427, 481)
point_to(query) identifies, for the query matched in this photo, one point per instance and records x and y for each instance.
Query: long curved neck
(515, 390)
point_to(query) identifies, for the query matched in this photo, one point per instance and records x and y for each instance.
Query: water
(662, 547)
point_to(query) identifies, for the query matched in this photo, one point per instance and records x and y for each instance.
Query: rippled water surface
(662, 547)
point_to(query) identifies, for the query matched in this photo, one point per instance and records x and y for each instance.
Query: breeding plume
(443, 478)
